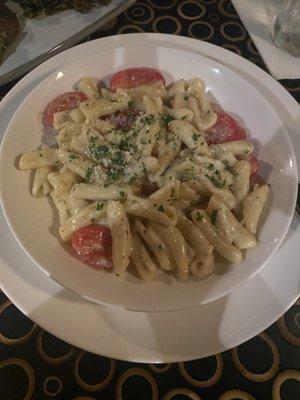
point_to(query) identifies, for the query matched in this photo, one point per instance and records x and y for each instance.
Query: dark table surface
(36, 365)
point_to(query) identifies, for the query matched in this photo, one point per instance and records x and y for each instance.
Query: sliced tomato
(254, 163)
(149, 187)
(224, 130)
(63, 102)
(132, 77)
(93, 245)
(124, 119)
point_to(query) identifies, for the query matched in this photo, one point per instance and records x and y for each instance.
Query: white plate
(34, 44)
(165, 293)
(145, 337)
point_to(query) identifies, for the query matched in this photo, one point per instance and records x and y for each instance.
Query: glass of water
(286, 26)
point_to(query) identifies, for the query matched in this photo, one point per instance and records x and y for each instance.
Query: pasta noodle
(139, 164)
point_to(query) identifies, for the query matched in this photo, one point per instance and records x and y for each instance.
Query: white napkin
(256, 16)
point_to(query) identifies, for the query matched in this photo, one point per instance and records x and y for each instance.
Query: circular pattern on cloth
(193, 7)
(297, 320)
(183, 391)
(140, 13)
(233, 31)
(208, 2)
(84, 398)
(280, 379)
(235, 394)
(132, 372)
(207, 382)
(130, 28)
(252, 376)
(14, 341)
(163, 5)
(97, 386)
(251, 47)
(158, 370)
(50, 359)
(214, 17)
(50, 380)
(233, 48)
(226, 8)
(286, 334)
(201, 30)
(29, 372)
(163, 25)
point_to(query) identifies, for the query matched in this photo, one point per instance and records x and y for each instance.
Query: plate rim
(199, 47)
(124, 304)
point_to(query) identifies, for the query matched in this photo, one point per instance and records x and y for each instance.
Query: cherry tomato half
(254, 163)
(93, 245)
(132, 77)
(224, 130)
(63, 102)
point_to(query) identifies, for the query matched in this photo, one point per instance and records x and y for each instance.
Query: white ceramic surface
(145, 337)
(165, 293)
(34, 44)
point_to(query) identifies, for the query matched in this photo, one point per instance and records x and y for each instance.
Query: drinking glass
(286, 26)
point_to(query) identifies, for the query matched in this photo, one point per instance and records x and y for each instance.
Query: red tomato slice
(63, 102)
(124, 119)
(132, 77)
(254, 163)
(92, 245)
(224, 130)
(149, 187)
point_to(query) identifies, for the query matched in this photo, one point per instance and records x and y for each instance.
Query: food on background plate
(34, 8)
(9, 25)
(9, 28)
(149, 176)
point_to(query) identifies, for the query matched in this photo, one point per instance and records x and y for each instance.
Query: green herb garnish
(195, 137)
(199, 217)
(213, 216)
(167, 119)
(161, 208)
(88, 174)
(216, 181)
(99, 206)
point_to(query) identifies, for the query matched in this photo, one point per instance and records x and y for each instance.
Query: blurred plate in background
(39, 39)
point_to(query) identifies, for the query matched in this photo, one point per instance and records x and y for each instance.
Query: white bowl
(34, 222)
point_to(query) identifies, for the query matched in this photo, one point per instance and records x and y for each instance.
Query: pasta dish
(148, 176)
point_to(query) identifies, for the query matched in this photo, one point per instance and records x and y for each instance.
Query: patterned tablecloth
(36, 365)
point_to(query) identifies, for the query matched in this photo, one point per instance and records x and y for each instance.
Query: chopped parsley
(210, 167)
(213, 216)
(88, 174)
(130, 104)
(123, 196)
(148, 119)
(113, 176)
(195, 137)
(199, 217)
(99, 206)
(161, 208)
(73, 156)
(41, 155)
(167, 119)
(132, 179)
(217, 182)
(232, 171)
(186, 97)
